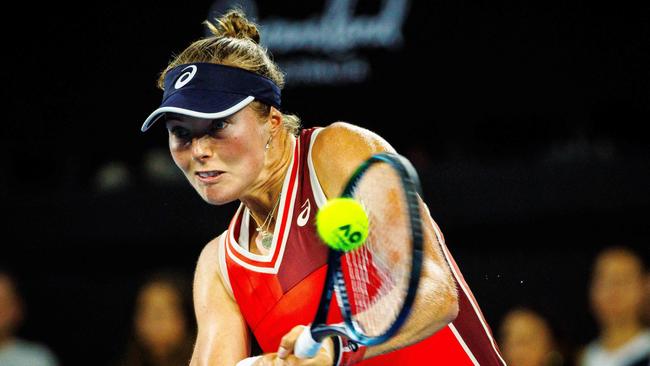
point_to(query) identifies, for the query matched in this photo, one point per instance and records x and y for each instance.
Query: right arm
(222, 337)
(339, 149)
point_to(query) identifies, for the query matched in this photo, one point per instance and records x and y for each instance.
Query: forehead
(174, 119)
(247, 114)
(181, 118)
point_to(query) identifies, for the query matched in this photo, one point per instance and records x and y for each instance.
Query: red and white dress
(280, 290)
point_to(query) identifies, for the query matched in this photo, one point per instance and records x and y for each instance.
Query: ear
(275, 121)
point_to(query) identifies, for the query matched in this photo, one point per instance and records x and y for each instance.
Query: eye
(217, 125)
(181, 133)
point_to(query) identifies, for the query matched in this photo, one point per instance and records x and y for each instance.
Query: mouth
(208, 176)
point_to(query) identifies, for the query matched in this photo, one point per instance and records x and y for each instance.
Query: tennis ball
(342, 224)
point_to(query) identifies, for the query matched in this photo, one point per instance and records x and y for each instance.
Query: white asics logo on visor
(185, 77)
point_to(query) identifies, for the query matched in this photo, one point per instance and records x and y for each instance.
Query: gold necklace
(264, 236)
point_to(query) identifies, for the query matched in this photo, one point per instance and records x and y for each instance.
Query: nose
(201, 149)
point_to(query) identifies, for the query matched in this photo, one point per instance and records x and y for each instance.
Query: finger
(288, 341)
(250, 361)
(318, 360)
(266, 360)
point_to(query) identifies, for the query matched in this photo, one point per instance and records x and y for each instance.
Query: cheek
(243, 159)
(181, 157)
(245, 154)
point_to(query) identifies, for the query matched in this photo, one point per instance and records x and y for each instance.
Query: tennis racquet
(375, 284)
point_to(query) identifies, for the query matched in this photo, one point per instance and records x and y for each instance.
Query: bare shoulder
(208, 271)
(345, 139)
(338, 151)
(209, 258)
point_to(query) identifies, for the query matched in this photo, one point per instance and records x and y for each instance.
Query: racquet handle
(306, 346)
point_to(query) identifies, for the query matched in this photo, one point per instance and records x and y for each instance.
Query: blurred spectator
(162, 334)
(160, 169)
(617, 295)
(13, 350)
(527, 340)
(647, 298)
(113, 176)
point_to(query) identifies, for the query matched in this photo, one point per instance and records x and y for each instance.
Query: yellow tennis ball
(342, 224)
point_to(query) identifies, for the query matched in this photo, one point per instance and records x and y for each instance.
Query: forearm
(225, 347)
(434, 307)
(222, 337)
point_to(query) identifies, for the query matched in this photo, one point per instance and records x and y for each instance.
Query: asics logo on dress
(304, 214)
(185, 77)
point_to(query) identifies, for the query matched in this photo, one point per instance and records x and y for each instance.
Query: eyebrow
(168, 116)
(176, 119)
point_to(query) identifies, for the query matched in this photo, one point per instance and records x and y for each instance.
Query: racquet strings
(377, 274)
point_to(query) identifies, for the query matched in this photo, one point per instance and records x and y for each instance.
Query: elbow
(441, 293)
(452, 310)
(449, 306)
(445, 300)
(448, 300)
(452, 302)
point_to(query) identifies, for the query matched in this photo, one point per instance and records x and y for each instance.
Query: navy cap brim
(200, 104)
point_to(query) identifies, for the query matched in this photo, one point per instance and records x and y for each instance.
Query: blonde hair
(235, 41)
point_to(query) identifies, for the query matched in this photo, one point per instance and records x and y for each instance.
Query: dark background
(526, 122)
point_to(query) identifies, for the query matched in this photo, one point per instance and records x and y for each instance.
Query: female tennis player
(263, 276)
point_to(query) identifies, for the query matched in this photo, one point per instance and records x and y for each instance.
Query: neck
(265, 193)
(615, 336)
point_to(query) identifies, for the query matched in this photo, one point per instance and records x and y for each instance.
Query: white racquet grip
(248, 361)
(306, 346)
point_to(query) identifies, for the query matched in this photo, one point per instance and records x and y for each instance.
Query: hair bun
(234, 24)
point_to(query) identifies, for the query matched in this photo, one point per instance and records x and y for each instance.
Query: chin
(217, 201)
(217, 198)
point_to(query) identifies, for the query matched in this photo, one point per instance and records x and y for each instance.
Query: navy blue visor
(212, 91)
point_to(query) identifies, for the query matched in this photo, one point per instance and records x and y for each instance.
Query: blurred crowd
(163, 327)
(619, 297)
(15, 351)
